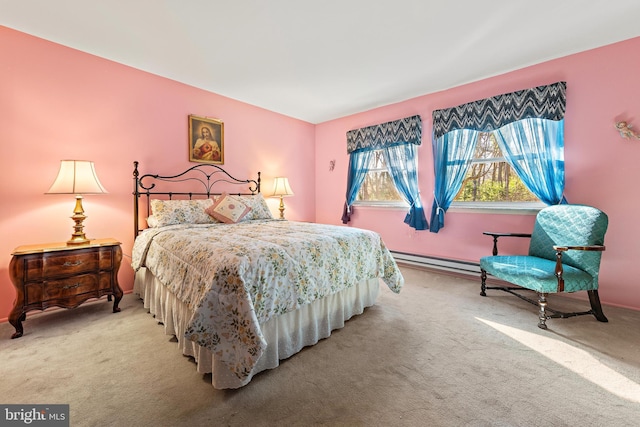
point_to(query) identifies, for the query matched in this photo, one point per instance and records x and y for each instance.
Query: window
(529, 122)
(383, 169)
(491, 179)
(378, 186)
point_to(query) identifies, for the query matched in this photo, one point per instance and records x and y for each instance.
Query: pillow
(258, 205)
(169, 212)
(228, 209)
(152, 221)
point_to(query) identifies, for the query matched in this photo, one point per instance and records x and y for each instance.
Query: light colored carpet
(437, 354)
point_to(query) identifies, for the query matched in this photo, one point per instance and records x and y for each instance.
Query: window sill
(497, 208)
(384, 205)
(468, 207)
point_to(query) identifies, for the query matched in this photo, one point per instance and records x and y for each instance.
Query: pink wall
(601, 167)
(58, 103)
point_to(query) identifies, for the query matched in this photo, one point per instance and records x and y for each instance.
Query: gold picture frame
(206, 140)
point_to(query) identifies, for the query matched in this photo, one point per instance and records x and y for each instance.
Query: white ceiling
(320, 60)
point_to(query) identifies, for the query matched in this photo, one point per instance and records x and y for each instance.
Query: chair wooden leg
(542, 316)
(483, 285)
(594, 299)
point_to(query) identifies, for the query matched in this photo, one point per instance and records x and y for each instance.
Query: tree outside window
(490, 178)
(378, 185)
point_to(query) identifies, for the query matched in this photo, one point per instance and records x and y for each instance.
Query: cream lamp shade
(281, 188)
(77, 177)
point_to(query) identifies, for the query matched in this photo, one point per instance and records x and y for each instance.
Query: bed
(239, 289)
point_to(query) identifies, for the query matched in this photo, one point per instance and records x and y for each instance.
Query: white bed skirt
(286, 335)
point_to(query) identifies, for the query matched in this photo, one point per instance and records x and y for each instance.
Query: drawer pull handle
(72, 264)
(77, 285)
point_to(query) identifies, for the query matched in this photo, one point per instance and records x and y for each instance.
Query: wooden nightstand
(57, 275)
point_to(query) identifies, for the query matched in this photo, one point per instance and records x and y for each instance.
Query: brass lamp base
(78, 237)
(281, 209)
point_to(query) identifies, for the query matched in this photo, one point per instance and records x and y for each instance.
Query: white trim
(531, 208)
(381, 204)
(512, 208)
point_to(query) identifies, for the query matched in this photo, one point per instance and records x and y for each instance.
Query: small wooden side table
(61, 275)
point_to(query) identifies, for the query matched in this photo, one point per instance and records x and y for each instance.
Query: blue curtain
(401, 160)
(358, 167)
(535, 150)
(529, 127)
(452, 155)
(398, 141)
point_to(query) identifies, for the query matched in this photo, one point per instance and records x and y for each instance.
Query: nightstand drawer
(62, 264)
(64, 288)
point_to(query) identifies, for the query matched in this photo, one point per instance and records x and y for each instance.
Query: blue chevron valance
(545, 102)
(407, 130)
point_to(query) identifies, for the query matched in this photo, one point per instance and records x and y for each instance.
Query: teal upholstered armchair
(564, 256)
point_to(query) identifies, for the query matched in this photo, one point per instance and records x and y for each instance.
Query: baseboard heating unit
(453, 266)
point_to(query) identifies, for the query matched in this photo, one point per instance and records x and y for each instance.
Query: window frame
(501, 207)
(382, 203)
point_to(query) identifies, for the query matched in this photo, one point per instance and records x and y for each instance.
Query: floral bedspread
(235, 276)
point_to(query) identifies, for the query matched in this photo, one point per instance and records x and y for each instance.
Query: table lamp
(281, 189)
(77, 177)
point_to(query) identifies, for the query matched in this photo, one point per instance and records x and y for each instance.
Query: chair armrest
(490, 233)
(496, 235)
(560, 249)
(579, 248)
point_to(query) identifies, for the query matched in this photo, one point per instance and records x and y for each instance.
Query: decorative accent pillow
(228, 209)
(170, 212)
(152, 221)
(259, 208)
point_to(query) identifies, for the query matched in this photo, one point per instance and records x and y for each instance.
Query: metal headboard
(202, 176)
